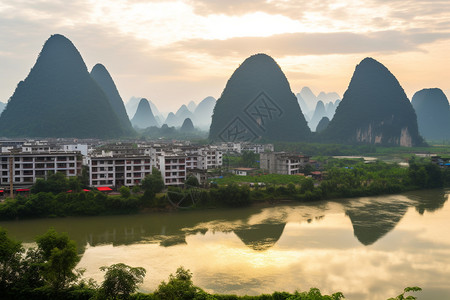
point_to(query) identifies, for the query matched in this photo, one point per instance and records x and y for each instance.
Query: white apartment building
(121, 164)
(24, 166)
(173, 169)
(107, 169)
(175, 165)
(210, 158)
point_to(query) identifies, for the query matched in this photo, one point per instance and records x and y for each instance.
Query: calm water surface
(368, 248)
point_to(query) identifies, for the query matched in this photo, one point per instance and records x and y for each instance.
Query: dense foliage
(121, 281)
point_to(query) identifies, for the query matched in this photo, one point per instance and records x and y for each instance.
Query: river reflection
(368, 248)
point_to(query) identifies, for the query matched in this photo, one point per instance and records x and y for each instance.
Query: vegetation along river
(367, 248)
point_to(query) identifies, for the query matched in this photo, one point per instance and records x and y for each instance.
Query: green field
(267, 179)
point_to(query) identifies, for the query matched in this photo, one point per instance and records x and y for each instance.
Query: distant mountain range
(312, 110)
(60, 98)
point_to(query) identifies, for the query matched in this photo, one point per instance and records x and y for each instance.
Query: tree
(125, 192)
(179, 286)
(191, 181)
(315, 294)
(249, 159)
(60, 258)
(406, 290)
(10, 259)
(307, 185)
(55, 183)
(153, 182)
(121, 280)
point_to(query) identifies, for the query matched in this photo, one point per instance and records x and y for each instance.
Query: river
(367, 248)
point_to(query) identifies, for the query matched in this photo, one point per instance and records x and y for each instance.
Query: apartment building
(23, 166)
(283, 162)
(115, 170)
(175, 165)
(209, 158)
(173, 169)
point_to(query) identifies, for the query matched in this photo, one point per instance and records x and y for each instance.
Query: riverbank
(341, 179)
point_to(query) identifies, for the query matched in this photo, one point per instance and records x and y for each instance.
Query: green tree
(74, 184)
(55, 183)
(249, 159)
(60, 258)
(406, 290)
(307, 185)
(315, 294)
(121, 281)
(153, 183)
(10, 259)
(191, 181)
(125, 192)
(179, 286)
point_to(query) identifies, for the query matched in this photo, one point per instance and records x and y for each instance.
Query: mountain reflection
(428, 200)
(372, 218)
(262, 236)
(258, 228)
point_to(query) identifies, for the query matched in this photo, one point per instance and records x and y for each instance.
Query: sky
(173, 52)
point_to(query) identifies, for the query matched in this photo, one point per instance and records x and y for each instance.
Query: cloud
(294, 9)
(315, 43)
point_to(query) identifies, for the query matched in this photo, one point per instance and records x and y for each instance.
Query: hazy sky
(172, 52)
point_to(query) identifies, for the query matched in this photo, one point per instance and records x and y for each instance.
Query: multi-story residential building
(210, 158)
(115, 170)
(24, 166)
(282, 162)
(173, 168)
(118, 164)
